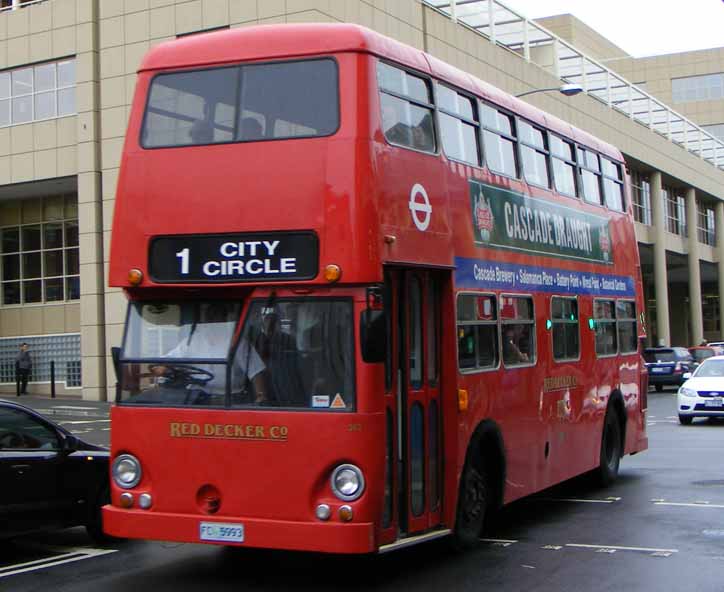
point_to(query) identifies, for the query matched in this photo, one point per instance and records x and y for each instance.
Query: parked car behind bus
(667, 365)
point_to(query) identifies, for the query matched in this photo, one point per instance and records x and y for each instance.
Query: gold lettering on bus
(227, 431)
(557, 383)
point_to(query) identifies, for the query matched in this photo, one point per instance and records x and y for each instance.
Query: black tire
(94, 524)
(473, 506)
(611, 449)
(685, 419)
(659, 387)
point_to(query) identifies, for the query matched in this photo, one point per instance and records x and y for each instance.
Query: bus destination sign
(231, 258)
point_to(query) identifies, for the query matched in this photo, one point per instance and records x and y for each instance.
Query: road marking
(552, 547)
(690, 505)
(69, 557)
(609, 500)
(81, 421)
(74, 407)
(613, 548)
(499, 542)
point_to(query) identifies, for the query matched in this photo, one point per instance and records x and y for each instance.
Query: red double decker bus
(371, 297)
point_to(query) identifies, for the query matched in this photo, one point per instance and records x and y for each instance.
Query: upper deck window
(406, 104)
(498, 141)
(242, 104)
(458, 125)
(590, 175)
(612, 184)
(564, 166)
(534, 154)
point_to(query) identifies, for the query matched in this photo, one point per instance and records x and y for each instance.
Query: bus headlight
(347, 482)
(126, 471)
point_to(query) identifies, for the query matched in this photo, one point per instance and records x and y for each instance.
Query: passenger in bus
(512, 354)
(251, 129)
(202, 131)
(277, 350)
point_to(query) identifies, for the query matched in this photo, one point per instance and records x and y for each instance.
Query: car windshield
(702, 354)
(659, 355)
(710, 369)
(290, 353)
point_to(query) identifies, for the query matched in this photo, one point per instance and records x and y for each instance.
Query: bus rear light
(323, 512)
(135, 276)
(126, 500)
(332, 273)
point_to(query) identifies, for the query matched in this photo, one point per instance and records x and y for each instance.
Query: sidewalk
(61, 405)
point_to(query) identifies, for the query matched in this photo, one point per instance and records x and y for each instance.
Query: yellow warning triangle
(338, 402)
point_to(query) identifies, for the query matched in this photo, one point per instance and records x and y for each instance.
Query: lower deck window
(518, 324)
(477, 331)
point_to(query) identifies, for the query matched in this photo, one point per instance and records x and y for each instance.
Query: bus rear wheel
(473, 503)
(611, 449)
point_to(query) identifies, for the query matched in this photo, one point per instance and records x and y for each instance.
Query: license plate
(713, 402)
(222, 532)
(658, 370)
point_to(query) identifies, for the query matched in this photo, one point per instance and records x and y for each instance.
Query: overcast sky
(641, 27)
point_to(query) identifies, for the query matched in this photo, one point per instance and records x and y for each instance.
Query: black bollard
(52, 379)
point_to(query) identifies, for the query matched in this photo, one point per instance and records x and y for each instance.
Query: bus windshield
(291, 353)
(242, 104)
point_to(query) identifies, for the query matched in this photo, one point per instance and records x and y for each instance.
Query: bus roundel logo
(420, 207)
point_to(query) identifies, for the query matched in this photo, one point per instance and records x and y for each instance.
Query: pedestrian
(23, 366)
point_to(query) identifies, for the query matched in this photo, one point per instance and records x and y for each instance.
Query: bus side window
(477, 330)
(518, 323)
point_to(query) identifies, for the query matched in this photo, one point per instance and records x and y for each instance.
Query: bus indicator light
(462, 399)
(332, 273)
(135, 276)
(345, 513)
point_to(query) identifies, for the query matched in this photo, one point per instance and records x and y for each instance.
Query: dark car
(667, 365)
(702, 352)
(49, 478)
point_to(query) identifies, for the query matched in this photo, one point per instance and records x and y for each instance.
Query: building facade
(67, 77)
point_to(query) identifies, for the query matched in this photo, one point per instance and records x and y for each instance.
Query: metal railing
(503, 26)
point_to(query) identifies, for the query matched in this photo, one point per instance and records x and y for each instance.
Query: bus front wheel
(473, 503)
(611, 449)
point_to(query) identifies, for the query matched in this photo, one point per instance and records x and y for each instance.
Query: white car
(702, 395)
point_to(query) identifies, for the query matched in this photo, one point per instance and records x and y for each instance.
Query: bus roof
(293, 40)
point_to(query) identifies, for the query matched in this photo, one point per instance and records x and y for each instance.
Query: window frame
(496, 323)
(577, 322)
(553, 157)
(617, 181)
(428, 80)
(531, 321)
(238, 66)
(582, 166)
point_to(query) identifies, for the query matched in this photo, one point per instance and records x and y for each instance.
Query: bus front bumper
(324, 537)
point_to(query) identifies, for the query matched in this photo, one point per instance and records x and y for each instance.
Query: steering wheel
(183, 373)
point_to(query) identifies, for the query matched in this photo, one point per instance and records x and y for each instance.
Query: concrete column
(661, 284)
(696, 318)
(720, 262)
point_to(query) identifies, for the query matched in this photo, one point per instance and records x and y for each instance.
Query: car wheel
(473, 503)
(659, 387)
(94, 525)
(685, 419)
(611, 449)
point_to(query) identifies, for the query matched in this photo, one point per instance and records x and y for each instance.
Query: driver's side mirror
(686, 375)
(69, 443)
(373, 335)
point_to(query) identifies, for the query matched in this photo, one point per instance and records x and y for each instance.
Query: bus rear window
(248, 103)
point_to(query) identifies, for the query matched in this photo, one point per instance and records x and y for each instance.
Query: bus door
(415, 396)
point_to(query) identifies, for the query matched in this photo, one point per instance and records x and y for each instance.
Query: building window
(626, 324)
(533, 154)
(564, 166)
(716, 130)
(40, 258)
(407, 108)
(564, 316)
(675, 212)
(518, 325)
(590, 175)
(477, 327)
(612, 185)
(706, 227)
(64, 350)
(36, 93)
(498, 141)
(604, 312)
(641, 190)
(458, 125)
(708, 87)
